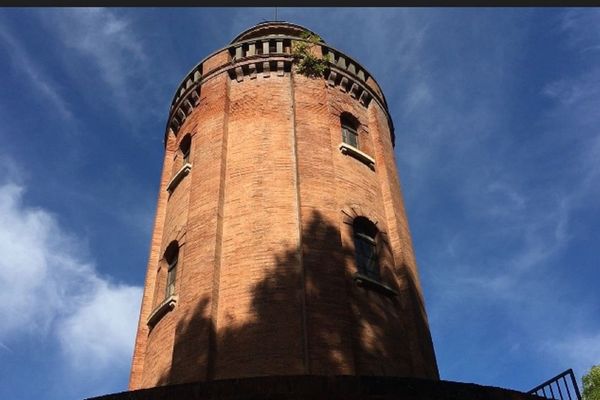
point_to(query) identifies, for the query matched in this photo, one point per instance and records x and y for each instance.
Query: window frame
(365, 251)
(185, 148)
(347, 132)
(366, 237)
(171, 279)
(170, 258)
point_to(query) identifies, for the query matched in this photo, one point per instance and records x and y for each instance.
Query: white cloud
(48, 289)
(102, 328)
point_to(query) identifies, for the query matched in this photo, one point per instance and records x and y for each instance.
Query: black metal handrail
(547, 389)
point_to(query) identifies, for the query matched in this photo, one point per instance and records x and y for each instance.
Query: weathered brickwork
(266, 274)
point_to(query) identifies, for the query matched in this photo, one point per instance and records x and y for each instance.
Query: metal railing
(557, 387)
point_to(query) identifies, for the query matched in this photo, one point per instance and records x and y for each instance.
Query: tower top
(273, 28)
(269, 44)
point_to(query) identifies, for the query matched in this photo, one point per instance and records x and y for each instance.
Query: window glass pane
(170, 290)
(349, 136)
(365, 245)
(366, 257)
(171, 275)
(353, 139)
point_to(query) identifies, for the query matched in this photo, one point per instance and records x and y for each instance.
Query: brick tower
(281, 246)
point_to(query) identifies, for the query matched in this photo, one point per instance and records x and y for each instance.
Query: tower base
(322, 387)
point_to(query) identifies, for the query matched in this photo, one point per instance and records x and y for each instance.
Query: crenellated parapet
(250, 57)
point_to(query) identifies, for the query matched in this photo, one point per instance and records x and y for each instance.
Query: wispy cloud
(581, 26)
(51, 291)
(34, 73)
(102, 327)
(105, 46)
(105, 38)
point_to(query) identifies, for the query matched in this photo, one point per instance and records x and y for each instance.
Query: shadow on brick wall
(349, 329)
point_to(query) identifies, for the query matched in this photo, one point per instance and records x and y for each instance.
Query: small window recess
(350, 140)
(184, 149)
(171, 257)
(368, 272)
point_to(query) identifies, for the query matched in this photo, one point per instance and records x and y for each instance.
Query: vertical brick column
(329, 321)
(259, 330)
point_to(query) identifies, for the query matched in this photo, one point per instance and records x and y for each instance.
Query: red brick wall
(259, 316)
(328, 317)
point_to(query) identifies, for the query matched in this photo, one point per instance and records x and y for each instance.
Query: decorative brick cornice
(266, 55)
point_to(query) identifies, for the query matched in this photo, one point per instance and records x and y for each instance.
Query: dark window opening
(171, 257)
(365, 247)
(349, 130)
(184, 147)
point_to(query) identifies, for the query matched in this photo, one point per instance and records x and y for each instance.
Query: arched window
(171, 257)
(184, 147)
(365, 247)
(349, 129)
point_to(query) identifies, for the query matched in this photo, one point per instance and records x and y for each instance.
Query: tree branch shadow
(340, 328)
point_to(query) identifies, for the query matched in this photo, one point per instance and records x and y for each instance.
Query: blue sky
(498, 148)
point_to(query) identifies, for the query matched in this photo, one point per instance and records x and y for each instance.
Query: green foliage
(591, 384)
(306, 62)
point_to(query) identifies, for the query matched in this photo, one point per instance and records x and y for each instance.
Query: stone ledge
(345, 148)
(167, 305)
(315, 387)
(365, 281)
(183, 171)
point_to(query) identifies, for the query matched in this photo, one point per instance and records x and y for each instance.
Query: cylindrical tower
(280, 244)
